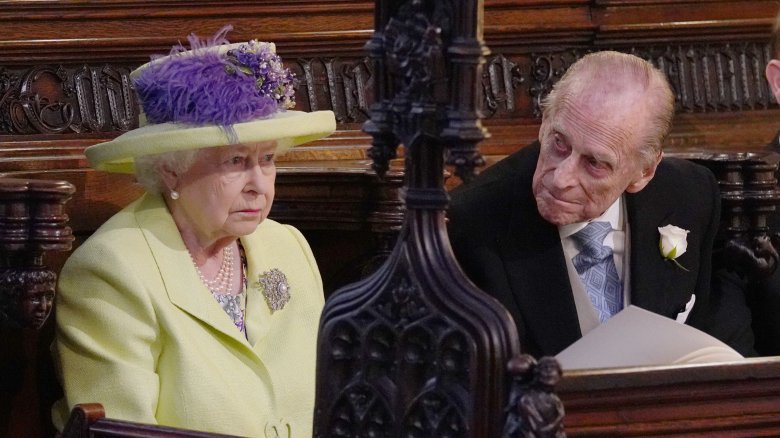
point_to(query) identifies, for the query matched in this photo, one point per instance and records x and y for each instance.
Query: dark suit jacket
(512, 253)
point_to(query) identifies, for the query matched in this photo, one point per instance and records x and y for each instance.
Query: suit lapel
(654, 281)
(258, 314)
(177, 271)
(536, 272)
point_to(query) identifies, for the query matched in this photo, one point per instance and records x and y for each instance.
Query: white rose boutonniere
(673, 243)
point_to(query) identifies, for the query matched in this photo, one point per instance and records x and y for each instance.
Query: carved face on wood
(35, 304)
(26, 297)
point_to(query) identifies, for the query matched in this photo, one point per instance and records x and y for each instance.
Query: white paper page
(637, 337)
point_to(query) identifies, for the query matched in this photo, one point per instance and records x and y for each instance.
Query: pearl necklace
(222, 283)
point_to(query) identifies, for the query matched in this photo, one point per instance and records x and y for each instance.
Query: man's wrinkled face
(589, 156)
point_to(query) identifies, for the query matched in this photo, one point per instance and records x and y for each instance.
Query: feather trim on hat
(204, 85)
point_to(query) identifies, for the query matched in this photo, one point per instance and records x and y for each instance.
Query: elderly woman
(190, 308)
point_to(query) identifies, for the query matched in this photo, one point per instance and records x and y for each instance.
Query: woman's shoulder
(272, 236)
(118, 235)
(270, 230)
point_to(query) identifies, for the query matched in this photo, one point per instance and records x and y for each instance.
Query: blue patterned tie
(596, 266)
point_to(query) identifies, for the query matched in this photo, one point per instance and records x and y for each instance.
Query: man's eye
(559, 145)
(597, 164)
(237, 160)
(268, 157)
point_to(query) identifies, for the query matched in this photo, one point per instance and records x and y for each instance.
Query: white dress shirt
(617, 239)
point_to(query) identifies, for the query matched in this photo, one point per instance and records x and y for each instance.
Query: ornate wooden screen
(415, 349)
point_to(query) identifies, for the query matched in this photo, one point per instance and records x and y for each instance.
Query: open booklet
(637, 337)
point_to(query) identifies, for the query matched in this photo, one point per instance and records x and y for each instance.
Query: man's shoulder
(507, 175)
(681, 174)
(682, 184)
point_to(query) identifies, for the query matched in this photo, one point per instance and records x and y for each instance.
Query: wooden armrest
(89, 421)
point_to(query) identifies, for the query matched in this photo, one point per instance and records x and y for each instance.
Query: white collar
(613, 215)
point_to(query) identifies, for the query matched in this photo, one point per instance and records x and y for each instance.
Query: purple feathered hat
(212, 94)
(229, 85)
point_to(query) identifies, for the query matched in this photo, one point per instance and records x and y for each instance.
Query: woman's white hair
(148, 168)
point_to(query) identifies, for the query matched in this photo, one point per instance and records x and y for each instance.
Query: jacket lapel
(182, 285)
(258, 314)
(536, 272)
(655, 282)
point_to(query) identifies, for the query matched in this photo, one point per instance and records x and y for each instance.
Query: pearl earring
(174, 195)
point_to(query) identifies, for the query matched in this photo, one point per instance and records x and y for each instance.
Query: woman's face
(226, 193)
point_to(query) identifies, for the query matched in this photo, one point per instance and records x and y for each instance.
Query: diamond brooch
(275, 289)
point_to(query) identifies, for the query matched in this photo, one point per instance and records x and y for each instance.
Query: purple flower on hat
(271, 78)
(204, 85)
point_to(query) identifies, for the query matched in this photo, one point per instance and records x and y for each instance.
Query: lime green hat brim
(288, 128)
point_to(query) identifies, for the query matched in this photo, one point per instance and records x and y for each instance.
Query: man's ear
(772, 73)
(647, 174)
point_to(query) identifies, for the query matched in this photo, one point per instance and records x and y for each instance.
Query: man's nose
(565, 174)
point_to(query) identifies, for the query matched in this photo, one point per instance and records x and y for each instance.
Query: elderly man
(565, 232)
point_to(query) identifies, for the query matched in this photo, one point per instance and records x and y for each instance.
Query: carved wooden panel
(414, 349)
(66, 100)
(707, 78)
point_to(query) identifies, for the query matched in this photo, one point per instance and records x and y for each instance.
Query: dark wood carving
(501, 83)
(66, 99)
(415, 349)
(343, 86)
(705, 77)
(714, 77)
(32, 222)
(55, 99)
(534, 410)
(749, 195)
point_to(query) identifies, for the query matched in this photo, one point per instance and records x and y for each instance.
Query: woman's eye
(237, 160)
(268, 157)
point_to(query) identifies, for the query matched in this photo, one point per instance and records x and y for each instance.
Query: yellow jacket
(137, 331)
